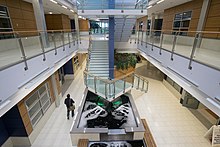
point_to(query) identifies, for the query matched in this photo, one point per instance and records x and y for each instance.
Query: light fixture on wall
(160, 1)
(50, 12)
(72, 11)
(53, 1)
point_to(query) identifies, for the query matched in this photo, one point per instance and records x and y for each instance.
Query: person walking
(69, 102)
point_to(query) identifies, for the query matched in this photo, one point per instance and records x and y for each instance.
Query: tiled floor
(171, 124)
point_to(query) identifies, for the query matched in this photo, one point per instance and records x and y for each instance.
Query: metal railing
(111, 89)
(20, 46)
(199, 46)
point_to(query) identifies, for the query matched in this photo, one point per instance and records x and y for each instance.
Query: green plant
(125, 60)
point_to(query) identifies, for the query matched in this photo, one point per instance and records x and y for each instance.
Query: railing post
(69, 39)
(138, 82)
(193, 50)
(22, 51)
(124, 84)
(138, 36)
(85, 79)
(173, 47)
(152, 45)
(63, 40)
(106, 90)
(95, 84)
(54, 42)
(114, 90)
(133, 80)
(143, 85)
(142, 37)
(161, 42)
(42, 46)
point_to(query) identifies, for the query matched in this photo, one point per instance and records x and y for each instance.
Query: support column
(40, 20)
(152, 24)
(56, 94)
(111, 41)
(203, 14)
(76, 25)
(111, 46)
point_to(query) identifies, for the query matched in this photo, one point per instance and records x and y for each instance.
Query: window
(5, 23)
(181, 22)
(38, 103)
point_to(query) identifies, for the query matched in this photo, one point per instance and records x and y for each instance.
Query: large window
(5, 23)
(181, 22)
(38, 103)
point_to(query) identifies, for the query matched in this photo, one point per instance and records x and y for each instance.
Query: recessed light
(64, 6)
(160, 1)
(50, 12)
(149, 7)
(53, 1)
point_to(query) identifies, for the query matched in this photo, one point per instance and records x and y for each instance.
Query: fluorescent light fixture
(213, 102)
(160, 1)
(53, 1)
(71, 10)
(50, 12)
(78, 2)
(64, 6)
(80, 17)
(149, 7)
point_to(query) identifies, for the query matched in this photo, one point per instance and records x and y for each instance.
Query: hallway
(170, 123)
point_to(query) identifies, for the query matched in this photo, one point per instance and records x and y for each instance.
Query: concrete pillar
(152, 24)
(56, 94)
(77, 25)
(40, 20)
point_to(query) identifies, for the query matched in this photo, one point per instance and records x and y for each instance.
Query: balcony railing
(111, 89)
(202, 47)
(16, 47)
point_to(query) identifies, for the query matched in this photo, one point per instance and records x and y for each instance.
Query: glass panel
(119, 86)
(31, 43)
(141, 84)
(5, 23)
(167, 42)
(32, 99)
(58, 39)
(3, 11)
(100, 86)
(176, 24)
(90, 81)
(187, 15)
(145, 86)
(208, 49)
(36, 118)
(136, 82)
(178, 16)
(50, 42)
(9, 49)
(176, 86)
(66, 39)
(34, 109)
(184, 45)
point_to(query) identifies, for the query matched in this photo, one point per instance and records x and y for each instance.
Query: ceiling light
(50, 12)
(64, 6)
(149, 7)
(160, 1)
(80, 16)
(53, 1)
(71, 10)
(78, 2)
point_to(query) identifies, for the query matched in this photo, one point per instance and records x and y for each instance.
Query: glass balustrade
(21, 46)
(111, 89)
(203, 47)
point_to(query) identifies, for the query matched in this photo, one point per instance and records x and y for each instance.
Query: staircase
(99, 61)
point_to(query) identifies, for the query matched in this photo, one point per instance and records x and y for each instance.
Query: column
(56, 94)
(40, 20)
(76, 25)
(111, 46)
(152, 24)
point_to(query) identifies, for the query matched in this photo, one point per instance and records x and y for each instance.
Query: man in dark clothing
(69, 102)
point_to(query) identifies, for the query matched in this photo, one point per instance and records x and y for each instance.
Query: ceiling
(159, 8)
(58, 9)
